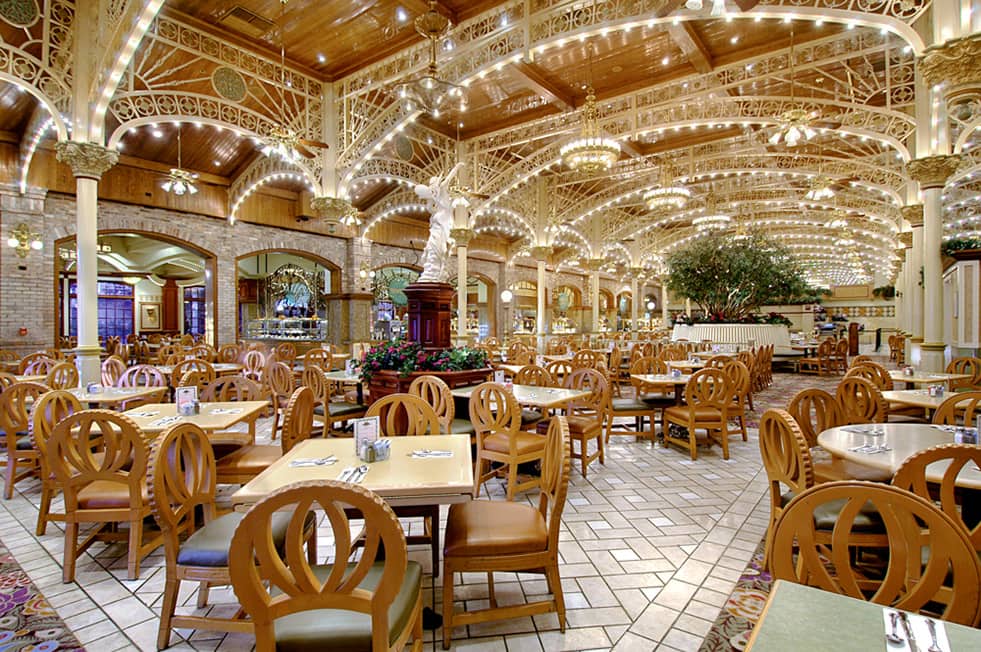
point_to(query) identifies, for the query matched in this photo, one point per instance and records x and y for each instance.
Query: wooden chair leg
(478, 476)
(432, 523)
(68, 559)
(204, 590)
(555, 586)
(512, 480)
(8, 488)
(692, 444)
(491, 596)
(43, 510)
(135, 543)
(602, 449)
(742, 427)
(447, 606)
(171, 588)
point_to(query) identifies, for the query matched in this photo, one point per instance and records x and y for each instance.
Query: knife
(904, 619)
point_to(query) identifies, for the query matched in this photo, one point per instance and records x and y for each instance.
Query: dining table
(544, 398)
(216, 417)
(344, 378)
(112, 396)
(925, 378)
(799, 617)
(421, 470)
(685, 365)
(648, 382)
(917, 398)
(221, 368)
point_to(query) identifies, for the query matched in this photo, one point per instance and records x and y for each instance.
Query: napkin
(144, 415)
(316, 461)
(428, 453)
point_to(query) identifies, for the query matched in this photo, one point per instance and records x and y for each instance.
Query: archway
(149, 283)
(281, 296)
(389, 306)
(481, 305)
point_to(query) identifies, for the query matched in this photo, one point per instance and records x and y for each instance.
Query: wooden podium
(430, 314)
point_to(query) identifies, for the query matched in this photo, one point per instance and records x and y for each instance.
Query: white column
(89, 162)
(594, 299)
(462, 238)
(634, 299)
(541, 324)
(664, 307)
(916, 325)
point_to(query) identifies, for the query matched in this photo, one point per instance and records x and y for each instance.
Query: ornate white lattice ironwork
(264, 170)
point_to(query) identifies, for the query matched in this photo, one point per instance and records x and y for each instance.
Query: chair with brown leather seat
(404, 414)
(860, 401)
(739, 375)
(49, 409)
(586, 416)
(372, 603)
(497, 419)
(243, 464)
(502, 536)
(15, 423)
(930, 563)
(708, 398)
(105, 489)
(559, 369)
(182, 481)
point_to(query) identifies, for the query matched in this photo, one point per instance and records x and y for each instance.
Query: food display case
(287, 329)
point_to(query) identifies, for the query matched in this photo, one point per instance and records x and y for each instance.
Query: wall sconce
(366, 272)
(22, 239)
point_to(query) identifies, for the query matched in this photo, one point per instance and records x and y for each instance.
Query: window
(115, 309)
(194, 310)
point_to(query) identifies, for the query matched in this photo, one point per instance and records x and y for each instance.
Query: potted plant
(392, 366)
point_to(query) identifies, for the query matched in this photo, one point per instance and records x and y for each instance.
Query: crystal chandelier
(820, 188)
(429, 92)
(712, 222)
(796, 123)
(668, 195)
(591, 152)
(180, 181)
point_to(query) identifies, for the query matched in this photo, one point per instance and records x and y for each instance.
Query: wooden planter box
(387, 382)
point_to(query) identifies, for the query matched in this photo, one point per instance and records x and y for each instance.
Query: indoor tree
(729, 278)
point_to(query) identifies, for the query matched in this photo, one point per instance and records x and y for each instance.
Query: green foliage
(729, 278)
(884, 291)
(406, 357)
(960, 244)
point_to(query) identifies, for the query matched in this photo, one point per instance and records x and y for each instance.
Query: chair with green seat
(367, 604)
(658, 397)
(182, 480)
(787, 461)
(327, 409)
(437, 393)
(15, 423)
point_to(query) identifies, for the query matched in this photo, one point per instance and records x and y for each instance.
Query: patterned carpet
(27, 621)
(732, 628)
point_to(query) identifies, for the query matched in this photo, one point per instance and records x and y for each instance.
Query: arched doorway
(624, 305)
(147, 283)
(607, 311)
(566, 309)
(481, 306)
(281, 296)
(389, 306)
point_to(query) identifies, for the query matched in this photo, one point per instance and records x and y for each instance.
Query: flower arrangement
(407, 357)
(774, 318)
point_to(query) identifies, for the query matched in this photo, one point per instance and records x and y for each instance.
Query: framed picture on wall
(149, 316)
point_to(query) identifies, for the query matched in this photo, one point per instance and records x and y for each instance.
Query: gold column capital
(636, 272)
(906, 237)
(541, 253)
(87, 160)
(594, 264)
(462, 236)
(913, 214)
(955, 64)
(933, 171)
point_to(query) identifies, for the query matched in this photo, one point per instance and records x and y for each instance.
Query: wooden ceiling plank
(422, 6)
(687, 39)
(536, 78)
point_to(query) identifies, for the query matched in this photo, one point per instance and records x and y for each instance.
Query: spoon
(893, 636)
(932, 626)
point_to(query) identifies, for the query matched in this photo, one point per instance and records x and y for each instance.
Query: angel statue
(436, 253)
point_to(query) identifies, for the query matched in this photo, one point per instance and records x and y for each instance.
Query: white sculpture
(436, 253)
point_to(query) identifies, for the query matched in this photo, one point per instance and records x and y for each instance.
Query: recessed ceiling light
(217, 163)
(157, 133)
(665, 61)
(401, 14)
(734, 40)
(321, 58)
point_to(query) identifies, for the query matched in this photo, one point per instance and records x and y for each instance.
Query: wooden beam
(539, 81)
(687, 39)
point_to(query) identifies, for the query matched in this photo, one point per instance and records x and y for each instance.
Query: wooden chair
(859, 359)
(195, 364)
(538, 377)
(368, 604)
(931, 561)
(961, 409)
(229, 353)
(319, 357)
(31, 359)
(49, 410)
(586, 416)
(503, 536)
(243, 464)
(15, 422)
(63, 375)
(860, 401)
(821, 363)
(965, 366)
(6, 380)
(204, 352)
(105, 489)
(327, 410)
(253, 365)
(523, 357)
(559, 369)
(112, 369)
(231, 388)
(436, 393)
(404, 414)
(840, 359)
(497, 419)
(874, 373)
(41, 366)
(278, 378)
(194, 378)
(286, 353)
(181, 481)
(912, 476)
(143, 376)
(708, 399)
(739, 375)
(586, 359)
(635, 406)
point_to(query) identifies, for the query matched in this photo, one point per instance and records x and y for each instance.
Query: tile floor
(651, 547)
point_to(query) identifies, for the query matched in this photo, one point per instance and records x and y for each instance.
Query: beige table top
(541, 397)
(922, 378)
(153, 418)
(904, 439)
(342, 376)
(400, 480)
(915, 398)
(706, 355)
(553, 358)
(661, 379)
(114, 395)
(684, 364)
(30, 379)
(221, 368)
(512, 369)
(799, 617)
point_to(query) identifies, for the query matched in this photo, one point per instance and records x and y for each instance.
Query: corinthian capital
(462, 236)
(88, 160)
(933, 171)
(955, 63)
(913, 214)
(906, 237)
(541, 253)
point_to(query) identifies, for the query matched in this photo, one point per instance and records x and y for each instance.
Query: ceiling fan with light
(284, 142)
